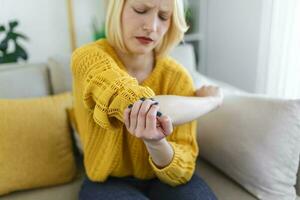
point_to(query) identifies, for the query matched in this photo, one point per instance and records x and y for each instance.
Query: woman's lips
(144, 40)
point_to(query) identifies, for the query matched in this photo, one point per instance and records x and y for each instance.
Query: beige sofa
(34, 80)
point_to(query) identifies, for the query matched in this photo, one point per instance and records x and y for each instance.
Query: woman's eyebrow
(149, 5)
(142, 3)
(165, 10)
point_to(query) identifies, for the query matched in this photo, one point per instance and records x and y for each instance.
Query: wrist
(155, 144)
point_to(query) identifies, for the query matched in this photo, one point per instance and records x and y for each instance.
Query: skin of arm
(183, 109)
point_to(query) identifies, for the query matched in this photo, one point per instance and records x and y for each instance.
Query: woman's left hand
(142, 121)
(211, 91)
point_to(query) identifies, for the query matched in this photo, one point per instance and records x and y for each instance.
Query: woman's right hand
(142, 121)
(211, 91)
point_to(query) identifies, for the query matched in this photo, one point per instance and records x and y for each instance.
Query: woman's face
(144, 23)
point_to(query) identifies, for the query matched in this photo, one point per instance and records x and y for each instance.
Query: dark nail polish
(143, 99)
(159, 114)
(130, 106)
(156, 103)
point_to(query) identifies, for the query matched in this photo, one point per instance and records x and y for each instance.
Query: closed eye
(164, 18)
(140, 11)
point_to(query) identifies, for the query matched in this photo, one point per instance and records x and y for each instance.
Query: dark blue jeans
(129, 188)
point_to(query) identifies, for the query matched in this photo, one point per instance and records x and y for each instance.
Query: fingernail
(143, 99)
(156, 103)
(152, 99)
(130, 106)
(158, 113)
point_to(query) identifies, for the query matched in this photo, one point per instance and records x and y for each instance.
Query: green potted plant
(11, 36)
(188, 15)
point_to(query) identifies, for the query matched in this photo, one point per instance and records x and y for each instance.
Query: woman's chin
(140, 51)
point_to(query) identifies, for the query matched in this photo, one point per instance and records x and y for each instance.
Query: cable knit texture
(102, 89)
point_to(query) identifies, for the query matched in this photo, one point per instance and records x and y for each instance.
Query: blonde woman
(136, 107)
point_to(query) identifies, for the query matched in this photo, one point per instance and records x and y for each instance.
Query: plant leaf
(2, 28)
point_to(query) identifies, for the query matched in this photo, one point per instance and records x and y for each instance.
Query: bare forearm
(185, 109)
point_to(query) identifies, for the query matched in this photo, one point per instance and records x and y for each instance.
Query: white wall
(45, 22)
(85, 11)
(233, 41)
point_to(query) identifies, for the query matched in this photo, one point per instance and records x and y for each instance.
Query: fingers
(134, 115)
(141, 118)
(151, 117)
(137, 115)
(208, 90)
(126, 117)
(166, 124)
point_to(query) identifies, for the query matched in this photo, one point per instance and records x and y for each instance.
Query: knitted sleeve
(106, 89)
(183, 141)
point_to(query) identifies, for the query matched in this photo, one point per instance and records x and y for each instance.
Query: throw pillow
(35, 143)
(60, 73)
(255, 140)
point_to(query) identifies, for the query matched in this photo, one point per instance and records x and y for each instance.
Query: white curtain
(281, 76)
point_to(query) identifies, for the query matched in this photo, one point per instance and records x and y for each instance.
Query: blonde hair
(171, 39)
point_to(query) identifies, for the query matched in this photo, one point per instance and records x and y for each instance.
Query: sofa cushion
(255, 140)
(24, 80)
(185, 55)
(35, 146)
(60, 73)
(68, 191)
(224, 187)
(9, 66)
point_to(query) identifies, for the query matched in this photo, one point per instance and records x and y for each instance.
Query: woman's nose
(151, 24)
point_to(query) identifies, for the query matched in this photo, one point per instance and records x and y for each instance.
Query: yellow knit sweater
(102, 89)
